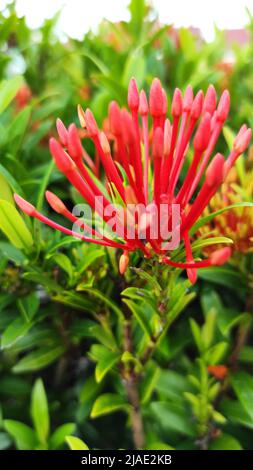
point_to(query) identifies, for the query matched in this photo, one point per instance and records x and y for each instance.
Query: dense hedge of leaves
(68, 374)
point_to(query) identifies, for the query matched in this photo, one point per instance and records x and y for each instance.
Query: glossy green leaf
(225, 442)
(13, 226)
(23, 435)
(58, 437)
(8, 90)
(105, 364)
(108, 403)
(242, 383)
(39, 411)
(75, 443)
(38, 359)
(16, 330)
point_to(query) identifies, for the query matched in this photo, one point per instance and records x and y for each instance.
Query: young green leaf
(39, 411)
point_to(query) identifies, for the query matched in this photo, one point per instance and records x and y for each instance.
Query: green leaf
(242, 384)
(13, 226)
(28, 305)
(38, 359)
(16, 330)
(236, 413)
(225, 276)
(149, 382)
(108, 403)
(11, 253)
(196, 332)
(216, 353)
(64, 262)
(58, 437)
(5, 190)
(8, 90)
(204, 220)
(75, 443)
(11, 181)
(39, 411)
(105, 336)
(172, 417)
(225, 442)
(89, 258)
(105, 364)
(89, 390)
(23, 435)
(140, 316)
(18, 127)
(135, 66)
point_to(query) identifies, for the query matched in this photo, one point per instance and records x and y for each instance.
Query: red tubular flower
(142, 167)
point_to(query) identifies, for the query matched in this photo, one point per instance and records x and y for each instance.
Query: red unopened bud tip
(81, 116)
(177, 104)
(115, 118)
(62, 132)
(242, 141)
(192, 275)
(91, 123)
(210, 100)
(104, 143)
(156, 99)
(133, 95)
(74, 143)
(55, 202)
(188, 99)
(197, 105)
(62, 159)
(214, 172)
(223, 106)
(143, 108)
(221, 256)
(24, 205)
(203, 134)
(123, 262)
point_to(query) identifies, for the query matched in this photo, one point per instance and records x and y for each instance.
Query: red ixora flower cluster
(137, 154)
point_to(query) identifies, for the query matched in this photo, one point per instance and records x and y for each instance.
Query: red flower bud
(219, 257)
(203, 134)
(223, 106)
(143, 108)
(210, 100)
(62, 132)
(104, 143)
(214, 172)
(115, 118)
(55, 202)
(188, 99)
(133, 95)
(156, 99)
(81, 116)
(74, 143)
(177, 104)
(25, 206)
(62, 159)
(91, 123)
(242, 141)
(197, 105)
(123, 262)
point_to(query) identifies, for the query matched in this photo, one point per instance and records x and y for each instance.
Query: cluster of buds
(236, 223)
(142, 166)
